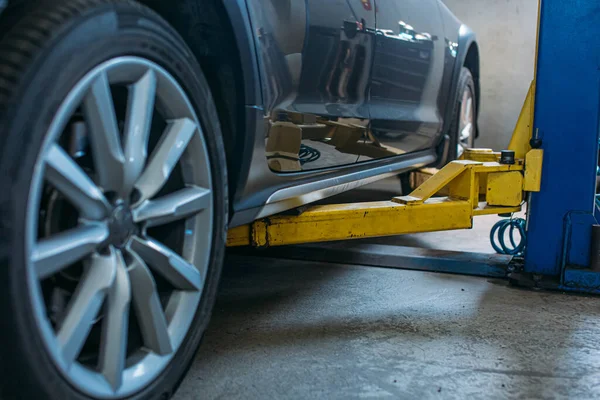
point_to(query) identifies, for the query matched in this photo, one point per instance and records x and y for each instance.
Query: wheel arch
(219, 34)
(467, 56)
(471, 62)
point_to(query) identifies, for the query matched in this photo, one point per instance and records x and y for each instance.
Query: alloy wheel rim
(132, 288)
(466, 122)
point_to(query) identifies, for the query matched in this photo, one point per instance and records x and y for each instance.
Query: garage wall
(506, 32)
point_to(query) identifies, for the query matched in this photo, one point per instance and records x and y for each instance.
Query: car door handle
(351, 28)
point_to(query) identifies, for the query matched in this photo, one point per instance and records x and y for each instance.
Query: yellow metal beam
(504, 189)
(239, 236)
(524, 129)
(532, 182)
(483, 155)
(351, 221)
(522, 134)
(438, 181)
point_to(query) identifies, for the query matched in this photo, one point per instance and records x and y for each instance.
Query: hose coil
(498, 237)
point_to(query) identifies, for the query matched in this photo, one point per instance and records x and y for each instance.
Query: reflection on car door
(316, 59)
(406, 78)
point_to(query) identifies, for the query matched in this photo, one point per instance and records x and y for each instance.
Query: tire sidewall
(98, 34)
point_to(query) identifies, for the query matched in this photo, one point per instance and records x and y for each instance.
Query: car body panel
(407, 76)
(302, 74)
(299, 42)
(315, 59)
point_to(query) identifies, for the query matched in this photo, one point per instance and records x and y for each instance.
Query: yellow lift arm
(477, 185)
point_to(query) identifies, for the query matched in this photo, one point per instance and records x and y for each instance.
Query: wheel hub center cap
(121, 226)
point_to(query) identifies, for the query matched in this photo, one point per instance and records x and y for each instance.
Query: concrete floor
(295, 330)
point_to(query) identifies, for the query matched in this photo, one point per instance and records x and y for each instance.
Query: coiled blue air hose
(497, 236)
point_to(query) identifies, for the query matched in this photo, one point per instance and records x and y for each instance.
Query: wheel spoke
(137, 127)
(465, 134)
(164, 158)
(85, 305)
(100, 115)
(113, 345)
(170, 265)
(469, 109)
(149, 311)
(69, 179)
(173, 207)
(57, 252)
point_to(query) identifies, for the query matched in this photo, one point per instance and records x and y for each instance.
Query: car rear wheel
(464, 126)
(114, 203)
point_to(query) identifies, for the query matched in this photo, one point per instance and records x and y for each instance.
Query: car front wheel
(113, 203)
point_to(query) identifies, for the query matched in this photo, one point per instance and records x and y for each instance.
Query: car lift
(553, 170)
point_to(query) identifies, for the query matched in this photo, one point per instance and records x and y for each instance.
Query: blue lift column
(567, 110)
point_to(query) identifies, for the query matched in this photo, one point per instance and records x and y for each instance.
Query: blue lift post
(567, 113)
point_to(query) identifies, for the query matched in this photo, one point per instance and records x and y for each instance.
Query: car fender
(242, 27)
(466, 38)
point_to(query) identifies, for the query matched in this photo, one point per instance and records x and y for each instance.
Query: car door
(407, 74)
(338, 54)
(315, 58)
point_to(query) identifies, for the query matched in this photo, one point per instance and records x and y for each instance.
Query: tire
(405, 184)
(49, 56)
(466, 86)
